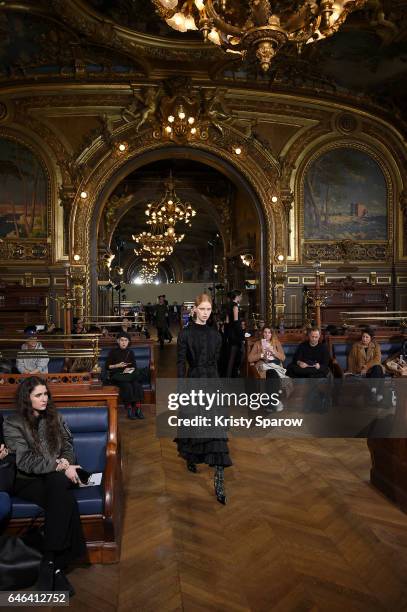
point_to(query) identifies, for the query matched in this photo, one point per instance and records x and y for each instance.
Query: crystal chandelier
(158, 244)
(169, 210)
(258, 27)
(147, 274)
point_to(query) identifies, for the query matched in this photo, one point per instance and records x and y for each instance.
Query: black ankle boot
(61, 583)
(45, 580)
(219, 485)
(192, 467)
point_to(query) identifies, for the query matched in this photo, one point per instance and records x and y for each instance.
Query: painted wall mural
(345, 196)
(23, 192)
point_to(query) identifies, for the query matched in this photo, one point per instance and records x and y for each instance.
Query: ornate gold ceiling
(115, 41)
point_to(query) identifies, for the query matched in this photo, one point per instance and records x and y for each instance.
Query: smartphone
(83, 475)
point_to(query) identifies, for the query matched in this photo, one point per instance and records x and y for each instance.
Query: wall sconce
(108, 258)
(274, 199)
(122, 147)
(237, 150)
(247, 260)
(84, 195)
(76, 257)
(280, 258)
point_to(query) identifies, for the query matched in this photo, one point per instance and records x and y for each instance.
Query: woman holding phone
(268, 356)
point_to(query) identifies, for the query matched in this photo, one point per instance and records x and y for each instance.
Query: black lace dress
(197, 357)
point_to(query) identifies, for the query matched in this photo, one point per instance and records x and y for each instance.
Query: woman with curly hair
(46, 475)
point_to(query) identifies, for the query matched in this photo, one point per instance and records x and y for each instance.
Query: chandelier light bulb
(189, 22)
(168, 129)
(177, 22)
(200, 4)
(84, 195)
(274, 199)
(122, 147)
(170, 202)
(238, 150)
(169, 4)
(191, 120)
(214, 37)
(171, 118)
(76, 257)
(280, 257)
(193, 130)
(181, 114)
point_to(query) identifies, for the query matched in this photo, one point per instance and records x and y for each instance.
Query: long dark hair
(24, 406)
(234, 294)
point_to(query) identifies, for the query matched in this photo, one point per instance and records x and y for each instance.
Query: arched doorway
(205, 160)
(255, 172)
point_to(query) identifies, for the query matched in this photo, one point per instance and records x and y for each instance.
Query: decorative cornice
(359, 252)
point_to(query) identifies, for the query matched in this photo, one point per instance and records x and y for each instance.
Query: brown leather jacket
(358, 358)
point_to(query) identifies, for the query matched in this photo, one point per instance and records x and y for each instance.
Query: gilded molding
(21, 251)
(141, 46)
(336, 251)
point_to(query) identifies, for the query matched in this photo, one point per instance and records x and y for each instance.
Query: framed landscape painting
(23, 192)
(345, 197)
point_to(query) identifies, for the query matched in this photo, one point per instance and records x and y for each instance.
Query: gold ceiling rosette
(258, 27)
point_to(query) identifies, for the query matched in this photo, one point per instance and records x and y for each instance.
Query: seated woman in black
(122, 371)
(46, 473)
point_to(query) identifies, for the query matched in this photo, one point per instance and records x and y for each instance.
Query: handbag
(19, 563)
(7, 473)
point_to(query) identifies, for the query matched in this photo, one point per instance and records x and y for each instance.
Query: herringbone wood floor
(303, 531)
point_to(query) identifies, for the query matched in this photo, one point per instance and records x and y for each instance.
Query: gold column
(279, 280)
(78, 277)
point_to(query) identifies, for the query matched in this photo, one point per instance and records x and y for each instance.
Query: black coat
(198, 347)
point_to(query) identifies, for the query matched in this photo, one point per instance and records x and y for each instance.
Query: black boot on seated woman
(46, 571)
(62, 584)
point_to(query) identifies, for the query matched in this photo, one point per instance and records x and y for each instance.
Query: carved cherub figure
(143, 107)
(213, 109)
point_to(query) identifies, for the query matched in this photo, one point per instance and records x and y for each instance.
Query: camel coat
(358, 358)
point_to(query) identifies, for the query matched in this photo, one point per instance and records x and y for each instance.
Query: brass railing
(368, 316)
(55, 346)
